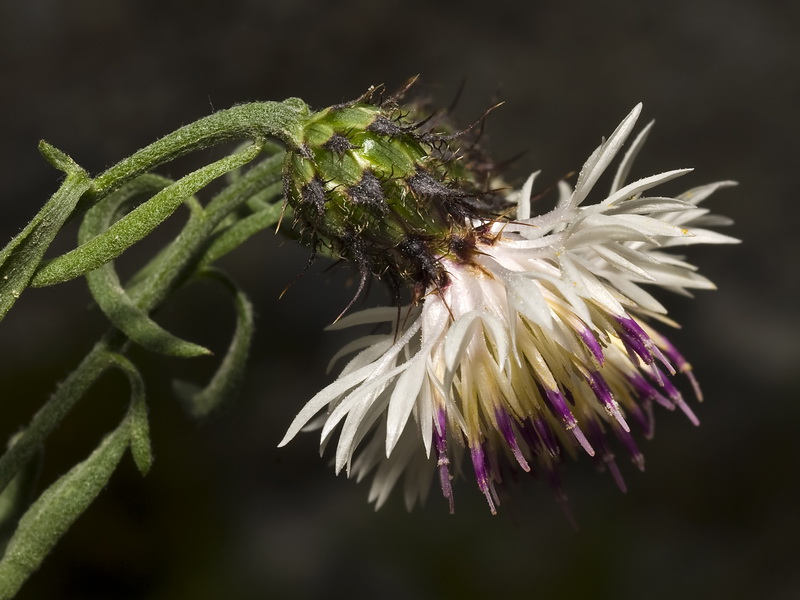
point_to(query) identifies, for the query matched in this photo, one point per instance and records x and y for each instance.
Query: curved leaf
(225, 383)
(50, 415)
(105, 285)
(18, 494)
(137, 415)
(230, 238)
(56, 510)
(138, 223)
(22, 255)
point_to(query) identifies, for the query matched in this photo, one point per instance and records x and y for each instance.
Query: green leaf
(105, 285)
(255, 121)
(252, 182)
(232, 237)
(141, 447)
(57, 509)
(20, 258)
(59, 506)
(138, 223)
(54, 410)
(18, 494)
(149, 287)
(132, 321)
(226, 382)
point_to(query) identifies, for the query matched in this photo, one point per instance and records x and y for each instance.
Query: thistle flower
(534, 344)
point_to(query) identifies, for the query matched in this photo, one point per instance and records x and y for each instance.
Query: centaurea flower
(536, 343)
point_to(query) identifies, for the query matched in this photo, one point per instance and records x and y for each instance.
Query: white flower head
(539, 345)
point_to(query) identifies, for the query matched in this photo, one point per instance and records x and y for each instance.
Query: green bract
(376, 189)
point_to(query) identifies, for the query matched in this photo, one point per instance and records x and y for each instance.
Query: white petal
(357, 344)
(498, 331)
(404, 396)
(712, 221)
(601, 157)
(698, 194)
(524, 200)
(458, 338)
(341, 385)
(587, 285)
(632, 189)
(630, 156)
(360, 399)
(425, 411)
(614, 258)
(380, 314)
(322, 399)
(651, 204)
(355, 407)
(667, 275)
(569, 294)
(653, 227)
(640, 296)
(526, 296)
(702, 236)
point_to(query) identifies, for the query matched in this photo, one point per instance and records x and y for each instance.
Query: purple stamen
(592, 344)
(675, 395)
(539, 437)
(482, 474)
(627, 440)
(576, 431)
(645, 391)
(443, 461)
(657, 376)
(547, 436)
(603, 393)
(656, 351)
(529, 435)
(643, 415)
(635, 340)
(683, 366)
(616, 474)
(604, 453)
(665, 383)
(698, 393)
(507, 431)
(688, 412)
(559, 407)
(494, 468)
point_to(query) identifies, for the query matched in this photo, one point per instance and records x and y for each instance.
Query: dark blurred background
(224, 513)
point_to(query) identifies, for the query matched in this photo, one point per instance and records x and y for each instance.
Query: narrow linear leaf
(141, 446)
(138, 223)
(270, 149)
(57, 509)
(149, 286)
(254, 120)
(18, 494)
(226, 381)
(54, 410)
(105, 285)
(123, 313)
(232, 237)
(251, 183)
(59, 506)
(20, 258)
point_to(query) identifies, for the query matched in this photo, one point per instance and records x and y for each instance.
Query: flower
(539, 344)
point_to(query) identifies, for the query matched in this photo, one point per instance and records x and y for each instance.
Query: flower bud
(376, 189)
